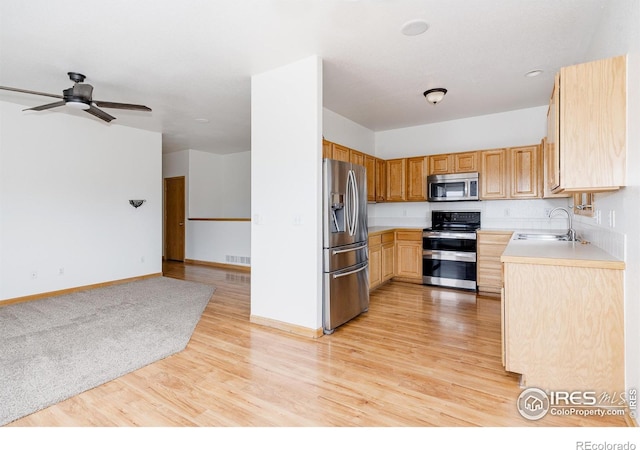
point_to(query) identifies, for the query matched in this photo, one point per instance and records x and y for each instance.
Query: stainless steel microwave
(453, 187)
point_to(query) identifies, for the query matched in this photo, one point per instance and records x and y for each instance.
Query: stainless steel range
(449, 249)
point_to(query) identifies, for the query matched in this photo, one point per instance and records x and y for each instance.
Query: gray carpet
(55, 348)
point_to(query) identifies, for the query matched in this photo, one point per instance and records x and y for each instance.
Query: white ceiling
(193, 59)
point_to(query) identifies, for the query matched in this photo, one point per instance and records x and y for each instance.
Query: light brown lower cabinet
(490, 246)
(381, 258)
(563, 326)
(388, 256)
(409, 256)
(375, 261)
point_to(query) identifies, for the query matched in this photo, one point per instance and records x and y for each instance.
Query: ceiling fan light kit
(435, 96)
(77, 104)
(80, 96)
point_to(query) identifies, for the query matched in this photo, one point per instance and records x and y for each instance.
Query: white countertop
(381, 229)
(559, 253)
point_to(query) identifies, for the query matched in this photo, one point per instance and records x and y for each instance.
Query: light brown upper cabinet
(591, 126)
(417, 179)
(370, 165)
(511, 173)
(376, 167)
(326, 149)
(407, 179)
(340, 152)
(453, 163)
(465, 162)
(494, 176)
(356, 157)
(397, 180)
(548, 162)
(440, 164)
(381, 180)
(552, 149)
(525, 173)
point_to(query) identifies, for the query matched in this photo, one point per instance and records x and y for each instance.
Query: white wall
(65, 185)
(619, 33)
(217, 186)
(339, 129)
(286, 236)
(508, 129)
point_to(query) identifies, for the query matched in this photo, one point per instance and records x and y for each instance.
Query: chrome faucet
(571, 233)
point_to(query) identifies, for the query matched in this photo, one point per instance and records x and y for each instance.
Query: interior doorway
(174, 206)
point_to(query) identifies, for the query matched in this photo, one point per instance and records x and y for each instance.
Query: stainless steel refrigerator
(346, 256)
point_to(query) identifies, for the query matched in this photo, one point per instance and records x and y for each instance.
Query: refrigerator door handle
(337, 252)
(357, 202)
(351, 272)
(347, 206)
(352, 190)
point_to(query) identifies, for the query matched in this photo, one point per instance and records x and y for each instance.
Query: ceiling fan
(79, 96)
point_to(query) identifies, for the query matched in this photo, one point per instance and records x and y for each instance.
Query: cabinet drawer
(387, 237)
(494, 238)
(490, 251)
(375, 240)
(409, 235)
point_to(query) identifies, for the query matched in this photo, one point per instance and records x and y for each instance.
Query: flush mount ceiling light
(414, 27)
(533, 73)
(435, 96)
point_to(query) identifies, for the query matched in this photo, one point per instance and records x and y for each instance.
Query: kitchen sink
(541, 237)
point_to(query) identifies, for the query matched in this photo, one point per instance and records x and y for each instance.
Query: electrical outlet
(547, 211)
(142, 259)
(61, 271)
(507, 212)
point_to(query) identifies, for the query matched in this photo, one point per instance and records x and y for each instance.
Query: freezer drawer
(338, 258)
(346, 295)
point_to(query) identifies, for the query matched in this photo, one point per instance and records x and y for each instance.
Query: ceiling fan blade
(25, 91)
(121, 106)
(100, 114)
(43, 107)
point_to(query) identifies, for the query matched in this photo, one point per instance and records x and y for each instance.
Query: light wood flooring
(419, 357)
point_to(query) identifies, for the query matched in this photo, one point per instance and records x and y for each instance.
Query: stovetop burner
(454, 221)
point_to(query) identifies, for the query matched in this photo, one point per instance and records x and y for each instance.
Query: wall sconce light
(136, 203)
(435, 96)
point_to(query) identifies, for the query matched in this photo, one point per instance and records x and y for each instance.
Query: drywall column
(286, 169)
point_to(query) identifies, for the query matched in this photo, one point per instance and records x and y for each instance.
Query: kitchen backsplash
(610, 241)
(498, 214)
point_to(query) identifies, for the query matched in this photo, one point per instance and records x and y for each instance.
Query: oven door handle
(449, 256)
(448, 235)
